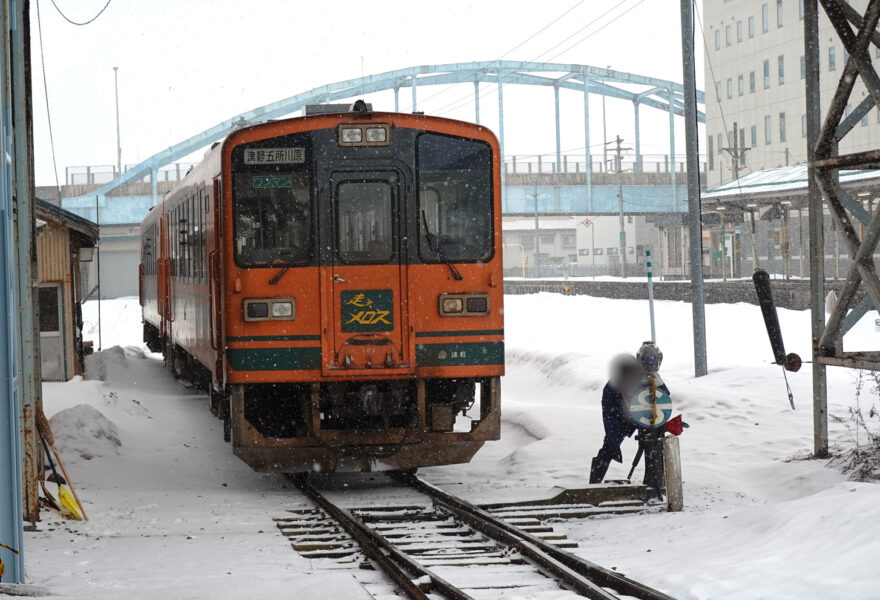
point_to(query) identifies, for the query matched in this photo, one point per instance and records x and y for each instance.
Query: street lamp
(118, 141)
(535, 196)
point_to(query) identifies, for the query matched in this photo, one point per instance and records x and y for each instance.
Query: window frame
(491, 198)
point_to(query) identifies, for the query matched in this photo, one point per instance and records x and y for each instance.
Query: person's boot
(598, 468)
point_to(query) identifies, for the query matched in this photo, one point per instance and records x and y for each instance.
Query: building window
(729, 87)
(801, 10)
(804, 125)
(782, 127)
(765, 18)
(548, 238)
(711, 153)
(527, 241)
(864, 120)
(739, 31)
(767, 132)
(780, 63)
(754, 136)
(803, 66)
(778, 13)
(766, 74)
(751, 27)
(569, 241)
(718, 39)
(718, 90)
(832, 59)
(720, 143)
(751, 82)
(742, 144)
(740, 85)
(727, 39)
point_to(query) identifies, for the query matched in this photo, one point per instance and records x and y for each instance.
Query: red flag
(674, 425)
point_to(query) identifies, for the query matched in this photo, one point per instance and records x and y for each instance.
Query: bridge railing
(574, 163)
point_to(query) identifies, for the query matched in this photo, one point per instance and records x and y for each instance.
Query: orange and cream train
(335, 282)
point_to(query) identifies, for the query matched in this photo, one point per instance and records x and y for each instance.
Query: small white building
(580, 246)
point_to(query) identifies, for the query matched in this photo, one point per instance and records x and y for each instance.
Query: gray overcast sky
(185, 66)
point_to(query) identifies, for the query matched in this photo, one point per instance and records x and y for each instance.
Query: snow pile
(761, 520)
(85, 432)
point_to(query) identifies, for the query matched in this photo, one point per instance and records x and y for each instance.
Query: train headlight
(377, 134)
(477, 304)
(464, 305)
(351, 135)
(269, 309)
(282, 309)
(256, 310)
(374, 134)
(451, 305)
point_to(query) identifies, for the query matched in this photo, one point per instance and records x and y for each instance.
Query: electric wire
(46, 94)
(518, 46)
(72, 22)
(463, 101)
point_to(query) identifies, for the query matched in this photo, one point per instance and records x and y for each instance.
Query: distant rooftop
(785, 181)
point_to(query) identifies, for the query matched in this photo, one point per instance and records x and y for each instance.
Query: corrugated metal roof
(790, 179)
(544, 223)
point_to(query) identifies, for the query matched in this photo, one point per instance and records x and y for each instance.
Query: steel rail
(373, 545)
(490, 525)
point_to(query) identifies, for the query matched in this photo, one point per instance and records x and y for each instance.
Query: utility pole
(118, 139)
(737, 156)
(535, 196)
(619, 151)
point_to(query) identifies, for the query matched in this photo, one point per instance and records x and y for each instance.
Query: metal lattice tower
(824, 133)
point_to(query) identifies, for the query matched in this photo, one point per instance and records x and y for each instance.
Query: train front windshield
(455, 199)
(273, 201)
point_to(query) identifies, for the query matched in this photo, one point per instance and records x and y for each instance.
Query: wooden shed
(64, 241)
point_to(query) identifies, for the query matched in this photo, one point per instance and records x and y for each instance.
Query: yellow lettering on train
(360, 300)
(369, 317)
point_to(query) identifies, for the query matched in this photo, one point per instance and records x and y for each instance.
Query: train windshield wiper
(433, 245)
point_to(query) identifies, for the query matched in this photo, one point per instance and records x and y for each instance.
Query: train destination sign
(272, 181)
(274, 156)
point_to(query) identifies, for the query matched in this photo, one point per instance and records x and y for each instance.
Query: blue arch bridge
(566, 184)
(555, 184)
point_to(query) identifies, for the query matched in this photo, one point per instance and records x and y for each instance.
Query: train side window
(364, 232)
(455, 199)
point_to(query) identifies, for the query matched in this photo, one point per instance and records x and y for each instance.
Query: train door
(366, 320)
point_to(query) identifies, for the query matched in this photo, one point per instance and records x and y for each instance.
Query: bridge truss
(667, 96)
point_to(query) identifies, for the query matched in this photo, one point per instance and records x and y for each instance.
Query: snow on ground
(174, 514)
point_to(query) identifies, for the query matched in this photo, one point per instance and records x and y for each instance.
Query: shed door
(366, 321)
(51, 335)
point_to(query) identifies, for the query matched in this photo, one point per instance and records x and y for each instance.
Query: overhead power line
(72, 22)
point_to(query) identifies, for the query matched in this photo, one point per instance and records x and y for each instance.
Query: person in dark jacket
(627, 375)
(625, 378)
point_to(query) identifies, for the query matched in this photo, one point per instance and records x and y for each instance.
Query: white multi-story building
(754, 79)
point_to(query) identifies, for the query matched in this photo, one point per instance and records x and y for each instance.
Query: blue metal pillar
(396, 99)
(477, 101)
(558, 138)
(588, 167)
(413, 80)
(672, 149)
(501, 136)
(11, 526)
(638, 166)
(30, 380)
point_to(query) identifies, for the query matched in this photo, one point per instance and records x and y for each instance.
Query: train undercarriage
(349, 425)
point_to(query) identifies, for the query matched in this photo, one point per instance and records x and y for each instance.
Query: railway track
(449, 548)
